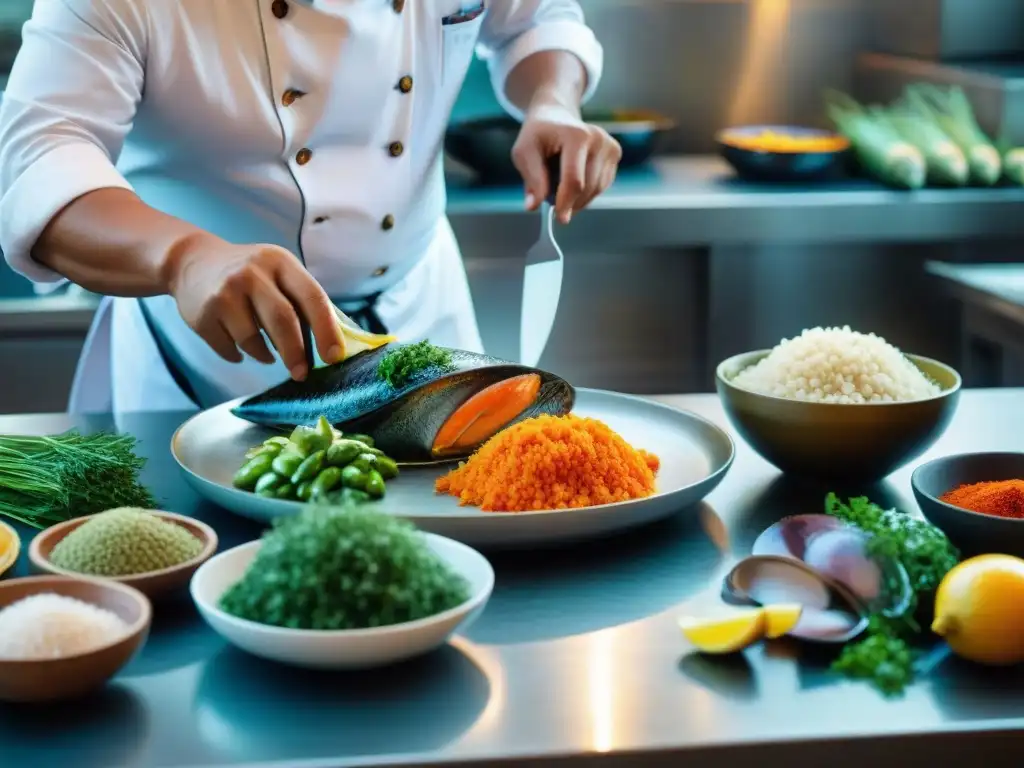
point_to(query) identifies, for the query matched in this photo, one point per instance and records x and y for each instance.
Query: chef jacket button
(380, 271)
(396, 148)
(387, 223)
(279, 8)
(405, 84)
(288, 97)
(303, 156)
(398, 5)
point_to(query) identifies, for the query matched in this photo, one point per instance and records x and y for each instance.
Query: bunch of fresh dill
(402, 363)
(47, 480)
(885, 656)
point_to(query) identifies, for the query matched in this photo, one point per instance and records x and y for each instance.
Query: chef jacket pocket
(459, 35)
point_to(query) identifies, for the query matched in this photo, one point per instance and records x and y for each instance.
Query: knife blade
(542, 279)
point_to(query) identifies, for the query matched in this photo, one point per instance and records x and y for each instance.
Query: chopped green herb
(47, 480)
(884, 657)
(345, 567)
(401, 364)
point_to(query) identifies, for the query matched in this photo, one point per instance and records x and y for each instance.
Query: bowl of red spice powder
(976, 499)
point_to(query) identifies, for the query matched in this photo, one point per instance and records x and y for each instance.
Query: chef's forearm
(547, 78)
(110, 242)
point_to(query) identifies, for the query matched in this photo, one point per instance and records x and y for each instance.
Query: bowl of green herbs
(342, 588)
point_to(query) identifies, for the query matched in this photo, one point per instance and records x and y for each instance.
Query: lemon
(979, 609)
(726, 633)
(780, 620)
(356, 339)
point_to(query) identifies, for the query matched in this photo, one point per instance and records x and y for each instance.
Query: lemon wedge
(10, 547)
(724, 633)
(356, 339)
(780, 619)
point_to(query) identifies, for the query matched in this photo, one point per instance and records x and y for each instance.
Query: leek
(944, 160)
(883, 153)
(952, 112)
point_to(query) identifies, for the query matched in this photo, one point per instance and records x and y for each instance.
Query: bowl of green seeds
(342, 588)
(155, 552)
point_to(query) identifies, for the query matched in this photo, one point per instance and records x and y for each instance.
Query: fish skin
(402, 421)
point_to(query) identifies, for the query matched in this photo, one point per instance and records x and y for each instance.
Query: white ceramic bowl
(340, 649)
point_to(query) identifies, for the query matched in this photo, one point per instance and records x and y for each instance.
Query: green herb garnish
(47, 480)
(884, 657)
(346, 567)
(401, 364)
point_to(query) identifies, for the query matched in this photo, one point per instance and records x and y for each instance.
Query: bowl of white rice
(834, 404)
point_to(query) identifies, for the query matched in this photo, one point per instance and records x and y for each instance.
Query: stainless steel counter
(576, 660)
(696, 200)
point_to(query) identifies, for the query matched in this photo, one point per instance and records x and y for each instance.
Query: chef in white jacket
(227, 167)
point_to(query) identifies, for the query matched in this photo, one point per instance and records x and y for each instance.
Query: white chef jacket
(316, 125)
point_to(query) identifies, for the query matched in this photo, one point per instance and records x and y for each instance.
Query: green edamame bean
(279, 440)
(374, 451)
(364, 439)
(303, 491)
(309, 468)
(325, 482)
(374, 484)
(250, 473)
(325, 430)
(286, 463)
(268, 482)
(286, 491)
(365, 461)
(259, 450)
(387, 467)
(342, 452)
(310, 443)
(353, 477)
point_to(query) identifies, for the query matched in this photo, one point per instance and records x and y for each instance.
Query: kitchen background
(651, 302)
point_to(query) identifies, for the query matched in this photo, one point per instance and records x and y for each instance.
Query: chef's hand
(227, 293)
(590, 158)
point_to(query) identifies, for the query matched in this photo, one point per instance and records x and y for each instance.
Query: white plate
(695, 455)
(340, 649)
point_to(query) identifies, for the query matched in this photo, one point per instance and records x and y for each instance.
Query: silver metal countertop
(577, 659)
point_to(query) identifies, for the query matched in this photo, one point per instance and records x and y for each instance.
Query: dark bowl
(779, 166)
(485, 145)
(971, 532)
(845, 444)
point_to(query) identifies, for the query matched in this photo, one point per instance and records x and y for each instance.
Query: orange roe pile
(551, 462)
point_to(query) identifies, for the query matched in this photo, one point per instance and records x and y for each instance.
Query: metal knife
(542, 279)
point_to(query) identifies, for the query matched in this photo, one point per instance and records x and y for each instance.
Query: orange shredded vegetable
(552, 462)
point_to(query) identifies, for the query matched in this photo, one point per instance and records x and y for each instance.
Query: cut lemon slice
(780, 620)
(356, 339)
(725, 633)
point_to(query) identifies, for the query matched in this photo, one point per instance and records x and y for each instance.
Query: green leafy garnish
(885, 657)
(47, 480)
(401, 364)
(345, 567)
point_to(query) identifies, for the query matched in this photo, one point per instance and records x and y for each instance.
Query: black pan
(485, 145)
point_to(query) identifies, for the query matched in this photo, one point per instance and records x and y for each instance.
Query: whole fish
(437, 413)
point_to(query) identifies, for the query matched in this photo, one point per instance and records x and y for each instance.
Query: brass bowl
(848, 444)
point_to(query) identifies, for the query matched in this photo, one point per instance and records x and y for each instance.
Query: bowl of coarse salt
(61, 638)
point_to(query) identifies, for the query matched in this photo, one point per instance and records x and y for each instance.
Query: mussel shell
(839, 552)
(831, 612)
(402, 421)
